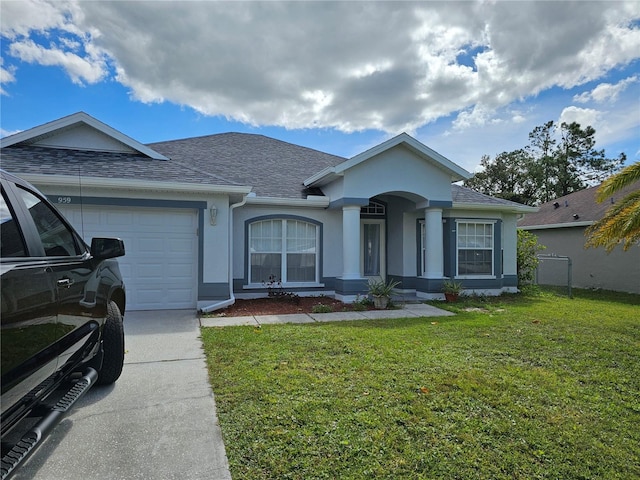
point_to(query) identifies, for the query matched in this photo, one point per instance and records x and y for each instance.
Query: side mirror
(103, 248)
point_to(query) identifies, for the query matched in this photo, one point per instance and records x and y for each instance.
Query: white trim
(126, 184)
(383, 246)
(312, 201)
(455, 170)
(329, 174)
(48, 129)
(475, 221)
(283, 254)
(422, 225)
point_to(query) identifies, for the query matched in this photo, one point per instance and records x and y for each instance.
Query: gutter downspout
(232, 298)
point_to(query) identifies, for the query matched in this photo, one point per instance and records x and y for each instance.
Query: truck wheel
(112, 345)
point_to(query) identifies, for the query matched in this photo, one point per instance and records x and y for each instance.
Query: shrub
(320, 308)
(528, 248)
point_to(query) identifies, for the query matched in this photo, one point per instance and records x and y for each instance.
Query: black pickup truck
(62, 317)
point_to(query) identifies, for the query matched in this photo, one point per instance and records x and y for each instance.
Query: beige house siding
(592, 268)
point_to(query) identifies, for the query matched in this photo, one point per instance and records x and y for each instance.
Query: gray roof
(21, 159)
(465, 195)
(272, 167)
(561, 211)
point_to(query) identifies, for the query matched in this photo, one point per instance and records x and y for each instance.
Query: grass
(518, 387)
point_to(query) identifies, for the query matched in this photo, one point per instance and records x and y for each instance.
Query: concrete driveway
(158, 421)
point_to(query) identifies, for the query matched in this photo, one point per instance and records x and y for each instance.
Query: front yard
(531, 386)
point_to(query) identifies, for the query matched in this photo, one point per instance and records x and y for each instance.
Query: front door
(372, 254)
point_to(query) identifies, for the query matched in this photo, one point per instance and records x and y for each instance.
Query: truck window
(57, 239)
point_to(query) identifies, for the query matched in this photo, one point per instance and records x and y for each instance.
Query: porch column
(433, 239)
(350, 242)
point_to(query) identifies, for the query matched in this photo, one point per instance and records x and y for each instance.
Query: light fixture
(213, 214)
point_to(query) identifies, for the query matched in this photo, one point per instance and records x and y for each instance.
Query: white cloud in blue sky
(467, 79)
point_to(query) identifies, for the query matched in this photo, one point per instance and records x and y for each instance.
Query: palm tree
(621, 223)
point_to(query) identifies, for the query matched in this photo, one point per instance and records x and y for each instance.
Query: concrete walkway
(409, 310)
(158, 421)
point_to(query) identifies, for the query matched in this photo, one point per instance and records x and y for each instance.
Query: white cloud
(90, 68)
(6, 133)
(391, 66)
(606, 92)
(21, 18)
(583, 116)
(6, 76)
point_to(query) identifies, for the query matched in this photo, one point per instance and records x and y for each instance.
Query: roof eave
(312, 201)
(556, 225)
(127, 184)
(491, 207)
(323, 177)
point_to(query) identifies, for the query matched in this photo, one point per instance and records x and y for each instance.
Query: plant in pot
(451, 290)
(381, 292)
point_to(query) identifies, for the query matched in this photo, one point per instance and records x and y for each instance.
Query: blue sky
(466, 79)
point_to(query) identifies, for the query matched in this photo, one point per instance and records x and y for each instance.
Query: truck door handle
(65, 283)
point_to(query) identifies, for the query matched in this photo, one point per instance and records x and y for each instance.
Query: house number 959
(64, 200)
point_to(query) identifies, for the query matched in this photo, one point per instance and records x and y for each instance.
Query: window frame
(285, 221)
(491, 249)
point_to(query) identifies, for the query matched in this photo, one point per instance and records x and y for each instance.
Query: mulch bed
(281, 306)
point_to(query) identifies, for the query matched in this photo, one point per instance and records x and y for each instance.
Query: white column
(350, 242)
(433, 239)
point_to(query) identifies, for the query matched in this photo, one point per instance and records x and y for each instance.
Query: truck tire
(112, 345)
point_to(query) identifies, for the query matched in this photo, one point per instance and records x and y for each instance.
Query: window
(376, 209)
(11, 242)
(57, 239)
(475, 248)
(284, 250)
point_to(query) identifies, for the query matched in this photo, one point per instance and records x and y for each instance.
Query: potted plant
(381, 292)
(451, 290)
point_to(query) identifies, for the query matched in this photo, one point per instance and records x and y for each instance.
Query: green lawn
(518, 387)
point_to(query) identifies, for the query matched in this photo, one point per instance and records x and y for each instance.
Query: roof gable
(80, 131)
(331, 173)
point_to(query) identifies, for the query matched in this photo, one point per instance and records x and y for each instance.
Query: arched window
(284, 250)
(374, 209)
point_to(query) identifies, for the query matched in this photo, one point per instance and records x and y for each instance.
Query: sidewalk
(157, 422)
(410, 310)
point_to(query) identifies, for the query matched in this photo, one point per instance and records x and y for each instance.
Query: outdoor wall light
(213, 215)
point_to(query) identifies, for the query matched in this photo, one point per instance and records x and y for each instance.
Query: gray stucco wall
(592, 268)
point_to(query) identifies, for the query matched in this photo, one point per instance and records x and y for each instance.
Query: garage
(160, 267)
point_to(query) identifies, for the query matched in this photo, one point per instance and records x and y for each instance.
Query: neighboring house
(211, 218)
(560, 225)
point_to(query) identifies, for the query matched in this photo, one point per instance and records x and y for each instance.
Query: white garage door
(160, 265)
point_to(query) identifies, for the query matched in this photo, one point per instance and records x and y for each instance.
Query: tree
(621, 223)
(527, 257)
(560, 159)
(505, 177)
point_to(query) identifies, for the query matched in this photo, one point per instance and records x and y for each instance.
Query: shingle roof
(272, 167)
(465, 195)
(56, 161)
(561, 211)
